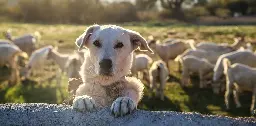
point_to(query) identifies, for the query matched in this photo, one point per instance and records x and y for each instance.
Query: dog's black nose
(105, 66)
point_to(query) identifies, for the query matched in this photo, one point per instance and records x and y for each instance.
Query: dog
(104, 72)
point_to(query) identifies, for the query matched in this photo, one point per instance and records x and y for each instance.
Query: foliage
(222, 13)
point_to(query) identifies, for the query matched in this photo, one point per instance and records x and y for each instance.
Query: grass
(190, 99)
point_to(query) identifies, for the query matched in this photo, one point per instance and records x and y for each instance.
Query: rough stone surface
(52, 114)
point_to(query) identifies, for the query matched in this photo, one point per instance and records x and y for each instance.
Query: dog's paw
(84, 103)
(122, 106)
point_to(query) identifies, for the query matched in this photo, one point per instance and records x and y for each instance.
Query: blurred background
(55, 24)
(120, 11)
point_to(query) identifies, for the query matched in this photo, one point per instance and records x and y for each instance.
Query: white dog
(104, 70)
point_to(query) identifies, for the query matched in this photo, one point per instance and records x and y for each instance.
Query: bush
(222, 13)
(165, 14)
(147, 15)
(239, 6)
(72, 11)
(120, 12)
(195, 12)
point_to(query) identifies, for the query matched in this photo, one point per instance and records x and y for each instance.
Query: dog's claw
(122, 106)
(84, 103)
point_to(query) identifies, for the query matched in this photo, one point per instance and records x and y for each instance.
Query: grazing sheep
(192, 64)
(105, 68)
(8, 57)
(239, 77)
(37, 59)
(169, 51)
(141, 63)
(158, 73)
(26, 43)
(247, 47)
(243, 57)
(221, 48)
(212, 57)
(68, 63)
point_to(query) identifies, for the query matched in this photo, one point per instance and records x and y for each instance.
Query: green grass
(190, 99)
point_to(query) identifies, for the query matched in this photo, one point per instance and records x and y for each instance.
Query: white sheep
(192, 64)
(170, 51)
(26, 43)
(68, 63)
(8, 56)
(158, 73)
(221, 48)
(243, 57)
(247, 47)
(212, 57)
(37, 59)
(239, 77)
(141, 63)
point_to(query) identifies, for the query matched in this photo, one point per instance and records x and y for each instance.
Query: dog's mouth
(106, 72)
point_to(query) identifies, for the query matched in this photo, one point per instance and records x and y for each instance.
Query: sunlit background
(59, 22)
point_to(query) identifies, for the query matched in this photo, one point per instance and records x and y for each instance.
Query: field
(190, 99)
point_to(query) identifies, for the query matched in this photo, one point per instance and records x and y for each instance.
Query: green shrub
(222, 13)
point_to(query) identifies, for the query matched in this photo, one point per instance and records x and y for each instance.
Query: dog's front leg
(84, 103)
(126, 104)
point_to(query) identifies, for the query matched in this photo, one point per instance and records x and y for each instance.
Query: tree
(145, 4)
(175, 6)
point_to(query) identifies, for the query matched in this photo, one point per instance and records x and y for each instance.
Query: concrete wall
(52, 114)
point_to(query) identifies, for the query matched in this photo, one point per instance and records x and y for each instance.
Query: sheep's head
(111, 47)
(7, 34)
(152, 42)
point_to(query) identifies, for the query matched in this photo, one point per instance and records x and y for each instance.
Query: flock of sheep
(212, 62)
(14, 50)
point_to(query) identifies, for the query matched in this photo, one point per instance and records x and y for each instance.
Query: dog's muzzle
(106, 67)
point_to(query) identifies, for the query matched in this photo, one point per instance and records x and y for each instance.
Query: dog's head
(111, 47)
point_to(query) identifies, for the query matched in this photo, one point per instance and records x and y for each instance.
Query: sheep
(158, 73)
(169, 51)
(247, 47)
(8, 57)
(212, 57)
(192, 64)
(243, 57)
(68, 63)
(141, 62)
(239, 77)
(26, 43)
(37, 59)
(221, 48)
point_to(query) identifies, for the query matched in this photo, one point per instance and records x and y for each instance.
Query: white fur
(8, 56)
(243, 57)
(221, 48)
(158, 73)
(212, 57)
(192, 64)
(141, 63)
(170, 51)
(38, 58)
(115, 87)
(68, 63)
(239, 78)
(26, 43)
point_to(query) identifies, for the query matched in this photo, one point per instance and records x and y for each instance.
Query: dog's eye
(97, 43)
(119, 45)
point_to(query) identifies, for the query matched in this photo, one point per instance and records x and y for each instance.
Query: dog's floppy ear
(138, 41)
(82, 40)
